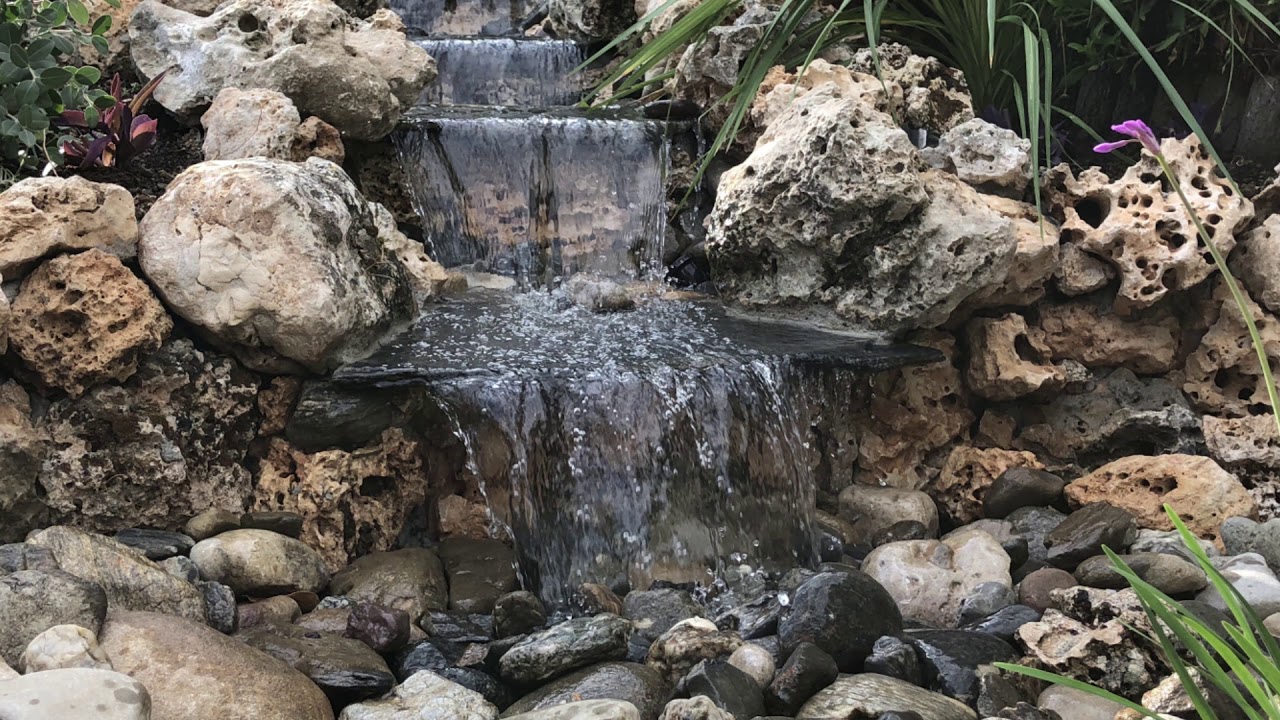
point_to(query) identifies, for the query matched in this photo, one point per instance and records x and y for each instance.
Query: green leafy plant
(39, 79)
(1237, 661)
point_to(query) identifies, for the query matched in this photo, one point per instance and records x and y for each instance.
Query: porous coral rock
(426, 276)
(781, 88)
(84, 319)
(993, 159)
(22, 449)
(936, 97)
(301, 48)
(1222, 375)
(1087, 332)
(1256, 261)
(1202, 493)
(40, 217)
(1006, 361)
(1080, 273)
(1143, 229)
(317, 138)
(967, 474)
(352, 503)
(1034, 259)
(1250, 439)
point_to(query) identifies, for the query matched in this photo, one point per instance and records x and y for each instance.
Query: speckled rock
(260, 562)
(1242, 440)
(869, 695)
(518, 613)
(990, 158)
(565, 647)
(130, 581)
(424, 696)
(41, 217)
(85, 319)
(161, 448)
(637, 684)
(930, 579)
(696, 708)
(410, 579)
(156, 650)
(1222, 375)
(584, 710)
(73, 694)
(1202, 493)
(934, 96)
(969, 472)
(1090, 334)
(249, 123)
(687, 643)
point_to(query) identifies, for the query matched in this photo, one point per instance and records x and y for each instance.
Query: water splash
(504, 71)
(538, 196)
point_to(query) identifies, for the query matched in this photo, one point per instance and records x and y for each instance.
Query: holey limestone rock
(831, 219)
(357, 76)
(280, 261)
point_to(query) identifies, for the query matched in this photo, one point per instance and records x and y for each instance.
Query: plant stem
(1236, 293)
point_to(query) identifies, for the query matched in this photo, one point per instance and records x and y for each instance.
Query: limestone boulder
(317, 138)
(64, 646)
(352, 503)
(1079, 273)
(42, 217)
(1090, 334)
(259, 563)
(22, 450)
(1144, 232)
(250, 123)
(1202, 493)
(871, 509)
(1256, 261)
(993, 159)
(1007, 361)
(426, 276)
(300, 48)
(282, 262)
(163, 447)
(66, 694)
(196, 673)
(1251, 439)
(871, 243)
(426, 696)
(780, 88)
(1035, 259)
(968, 473)
(85, 319)
(1222, 375)
(935, 97)
(930, 579)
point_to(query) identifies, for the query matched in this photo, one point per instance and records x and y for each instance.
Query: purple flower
(1138, 132)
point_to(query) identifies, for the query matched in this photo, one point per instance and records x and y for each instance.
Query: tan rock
(117, 35)
(1006, 361)
(1198, 489)
(408, 579)
(1222, 375)
(250, 123)
(64, 646)
(258, 563)
(934, 96)
(275, 402)
(1251, 439)
(84, 319)
(196, 673)
(40, 217)
(915, 414)
(1034, 260)
(22, 450)
(1144, 232)
(870, 509)
(991, 158)
(967, 474)
(780, 88)
(352, 503)
(278, 609)
(426, 276)
(1078, 272)
(460, 517)
(995, 430)
(930, 579)
(317, 138)
(1256, 261)
(1095, 337)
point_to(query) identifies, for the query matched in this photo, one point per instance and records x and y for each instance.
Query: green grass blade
(1258, 16)
(991, 33)
(1056, 679)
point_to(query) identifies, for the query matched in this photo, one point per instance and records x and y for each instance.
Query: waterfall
(504, 71)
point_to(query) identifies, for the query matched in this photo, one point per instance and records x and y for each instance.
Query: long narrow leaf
(1056, 679)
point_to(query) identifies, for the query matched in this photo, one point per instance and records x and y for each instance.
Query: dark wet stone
(1034, 523)
(654, 612)
(479, 572)
(457, 627)
(219, 606)
(904, 715)
(518, 613)
(21, 556)
(901, 530)
(497, 650)
(772, 646)
(1021, 487)
(1005, 622)
(728, 687)
(426, 655)
(637, 684)
(481, 682)
(995, 692)
(565, 647)
(755, 619)
(330, 416)
(345, 669)
(285, 523)
(156, 544)
(842, 613)
(808, 670)
(985, 600)
(383, 629)
(409, 579)
(894, 657)
(830, 547)
(794, 578)
(1085, 531)
(1018, 548)
(950, 659)
(32, 601)
(676, 109)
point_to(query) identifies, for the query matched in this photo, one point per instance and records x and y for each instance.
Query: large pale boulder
(281, 261)
(84, 319)
(166, 445)
(260, 563)
(67, 694)
(832, 219)
(304, 49)
(40, 217)
(196, 673)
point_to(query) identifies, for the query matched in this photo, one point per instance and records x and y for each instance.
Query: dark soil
(148, 174)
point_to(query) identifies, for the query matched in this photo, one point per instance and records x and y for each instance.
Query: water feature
(673, 441)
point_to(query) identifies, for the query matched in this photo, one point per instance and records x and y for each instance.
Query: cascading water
(672, 441)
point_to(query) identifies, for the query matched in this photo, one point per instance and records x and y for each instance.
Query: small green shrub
(40, 79)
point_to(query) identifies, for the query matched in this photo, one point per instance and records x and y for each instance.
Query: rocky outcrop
(1202, 493)
(1222, 375)
(935, 97)
(352, 503)
(780, 89)
(85, 319)
(993, 159)
(831, 219)
(282, 262)
(1144, 232)
(1090, 334)
(426, 276)
(301, 48)
(157, 450)
(1007, 361)
(41, 217)
(969, 472)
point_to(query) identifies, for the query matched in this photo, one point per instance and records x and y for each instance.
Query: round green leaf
(100, 44)
(28, 92)
(78, 12)
(88, 75)
(17, 55)
(10, 73)
(55, 77)
(102, 25)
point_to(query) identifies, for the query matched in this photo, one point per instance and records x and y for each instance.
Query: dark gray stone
(995, 692)
(728, 687)
(277, 521)
(32, 601)
(181, 567)
(754, 619)
(637, 684)
(21, 556)
(950, 659)
(433, 655)
(156, 544)
(656, 611)
(219, 605)
(385, 630)
(1005, 622)
(808, 670)
(481, 682)
(329, 416)
(566, 647)
(986, 599)
(518, 613)
(1085, 531)
(479, 572)
(1241, 535)
(346, 670)
(457, 627)
(842, 613)
(1021, 487)
(894, 657)
(901, 530)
